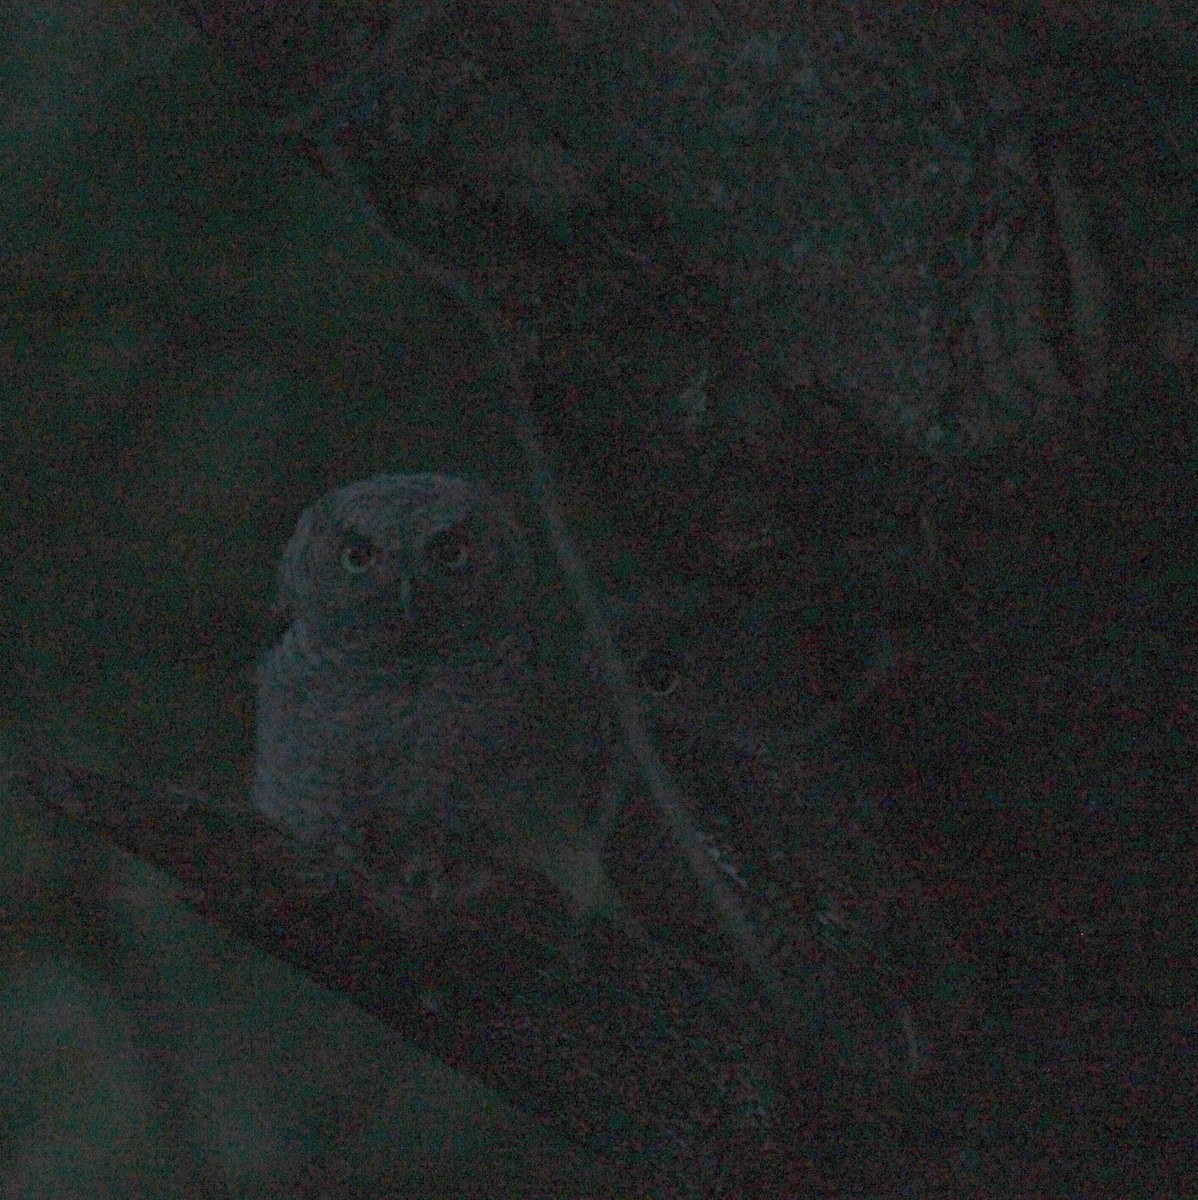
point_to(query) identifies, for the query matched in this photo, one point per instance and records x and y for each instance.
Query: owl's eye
(357, 553)
(449, 550)
(657, 672)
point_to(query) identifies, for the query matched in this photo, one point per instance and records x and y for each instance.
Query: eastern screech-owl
(398, 717)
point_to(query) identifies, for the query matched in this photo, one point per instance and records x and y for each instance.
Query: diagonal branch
(611, 1043)
(743, 939)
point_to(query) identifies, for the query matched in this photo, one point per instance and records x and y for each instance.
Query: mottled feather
(399, 717)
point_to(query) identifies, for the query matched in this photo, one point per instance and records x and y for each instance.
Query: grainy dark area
(862, 339)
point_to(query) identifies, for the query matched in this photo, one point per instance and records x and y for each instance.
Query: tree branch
(613, 1043)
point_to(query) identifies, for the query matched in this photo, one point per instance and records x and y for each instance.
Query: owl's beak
(405, 596)
(279, 618)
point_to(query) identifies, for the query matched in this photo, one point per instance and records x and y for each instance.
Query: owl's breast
(429, 745)
(324, 737)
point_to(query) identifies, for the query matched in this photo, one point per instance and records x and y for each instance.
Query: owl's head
(404, 562)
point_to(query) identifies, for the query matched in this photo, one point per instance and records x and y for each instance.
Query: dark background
(198, 337)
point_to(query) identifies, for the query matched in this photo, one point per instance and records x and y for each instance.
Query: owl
(399, 717)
